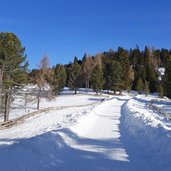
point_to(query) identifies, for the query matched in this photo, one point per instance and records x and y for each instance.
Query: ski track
(87, 139)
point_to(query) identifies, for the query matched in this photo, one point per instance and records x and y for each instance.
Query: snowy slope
(119, 134)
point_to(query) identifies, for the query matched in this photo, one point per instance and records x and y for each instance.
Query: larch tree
(87, 67)
(41, 78)
(150, 70)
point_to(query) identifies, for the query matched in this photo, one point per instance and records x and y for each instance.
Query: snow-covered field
(67, 98)
(120, 133)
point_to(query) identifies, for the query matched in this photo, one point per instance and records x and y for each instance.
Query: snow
(18, 107)
(161, 72)
(151, 131)
(120, 133)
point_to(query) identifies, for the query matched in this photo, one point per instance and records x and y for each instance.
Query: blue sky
(63, 29)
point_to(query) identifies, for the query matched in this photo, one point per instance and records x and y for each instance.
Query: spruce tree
(116, 79)
(122, 58)
(140, 86)
(59, 78)
(97, 79)
(74, 76)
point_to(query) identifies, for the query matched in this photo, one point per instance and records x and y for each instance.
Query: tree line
(113, 70)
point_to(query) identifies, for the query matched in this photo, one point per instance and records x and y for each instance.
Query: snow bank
(150, 131)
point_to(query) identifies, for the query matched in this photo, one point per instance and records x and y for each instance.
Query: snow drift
(150, 131)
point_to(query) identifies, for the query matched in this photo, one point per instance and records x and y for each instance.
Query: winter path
(98, 140)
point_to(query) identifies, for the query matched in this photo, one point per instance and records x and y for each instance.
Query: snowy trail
(103, 125)
(96, 141)
(97, 138)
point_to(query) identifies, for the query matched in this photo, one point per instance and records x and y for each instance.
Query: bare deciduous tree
(87, 70)
(42, 77)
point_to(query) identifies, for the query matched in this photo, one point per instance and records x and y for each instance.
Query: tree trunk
(38, 102)
(1, 81)
(75, 91)
(7, 106)
(38, 98)
(87, 84)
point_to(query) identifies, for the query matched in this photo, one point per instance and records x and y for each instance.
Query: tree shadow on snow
(49, 152)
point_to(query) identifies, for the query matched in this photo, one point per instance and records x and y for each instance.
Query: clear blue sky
(63, 29)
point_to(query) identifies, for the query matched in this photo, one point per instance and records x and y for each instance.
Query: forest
(114, 71)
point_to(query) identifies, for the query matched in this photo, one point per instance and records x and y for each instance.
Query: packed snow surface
(118, 134)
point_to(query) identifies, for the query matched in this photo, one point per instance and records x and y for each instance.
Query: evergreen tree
(13, 67)
(74, 76)
(123, 59)
(97, 79)
(107, 70)
(140, 86)
(60, 76)
(167, 81)
(116, 80)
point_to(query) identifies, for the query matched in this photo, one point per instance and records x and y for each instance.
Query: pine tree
(140, 86)
(13, 67)
(74, 76)
(97, 79)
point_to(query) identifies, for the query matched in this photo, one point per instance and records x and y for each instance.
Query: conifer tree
(140, 86)
(116, 80)
(13, 67)
(59, 78)
(97, 79)
(107, 70)
(167, 81)
(74, 76)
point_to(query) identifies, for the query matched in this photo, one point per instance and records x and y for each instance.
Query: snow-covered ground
(120, 133)
(67, 98)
